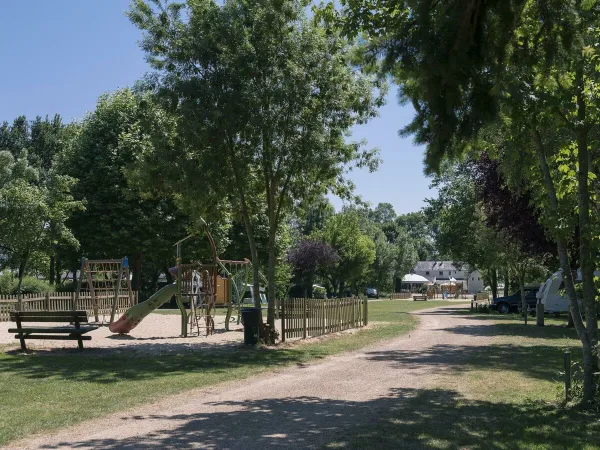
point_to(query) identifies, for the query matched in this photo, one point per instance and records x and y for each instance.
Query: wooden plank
(75, 337)
(35, 314)
(51, 313)
(57, 330)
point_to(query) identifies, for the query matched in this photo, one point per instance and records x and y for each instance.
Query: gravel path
(305, 406)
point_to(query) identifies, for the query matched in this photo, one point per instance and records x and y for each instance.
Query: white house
(440, 271)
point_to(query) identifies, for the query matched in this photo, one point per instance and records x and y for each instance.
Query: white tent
(414, 278)
(412, 282)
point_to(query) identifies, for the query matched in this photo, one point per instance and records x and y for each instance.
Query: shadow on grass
(516, 329)
(442, 419)
(537, 361)
(92, 366)
(405, 418)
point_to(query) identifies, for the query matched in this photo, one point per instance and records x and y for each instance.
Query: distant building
(442, 271)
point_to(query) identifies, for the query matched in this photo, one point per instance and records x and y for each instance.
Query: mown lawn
(506, 395)
(53, 389)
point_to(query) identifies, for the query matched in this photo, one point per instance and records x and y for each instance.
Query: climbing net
(104, 287)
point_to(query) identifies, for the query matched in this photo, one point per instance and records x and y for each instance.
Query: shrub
(30, 285)
(6, 280)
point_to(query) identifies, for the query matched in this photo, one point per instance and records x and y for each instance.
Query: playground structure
(234, 278)
(198, 285)
(104, 281)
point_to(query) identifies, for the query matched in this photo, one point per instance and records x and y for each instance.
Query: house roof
(438, 265)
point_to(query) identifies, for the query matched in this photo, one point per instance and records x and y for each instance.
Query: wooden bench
(66, 333)
(422, 297)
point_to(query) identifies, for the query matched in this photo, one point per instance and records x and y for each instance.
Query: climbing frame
(104, 280)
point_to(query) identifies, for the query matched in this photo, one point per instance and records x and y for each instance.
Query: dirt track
(298, 407)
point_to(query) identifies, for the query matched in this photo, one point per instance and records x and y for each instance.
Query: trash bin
(251, 321)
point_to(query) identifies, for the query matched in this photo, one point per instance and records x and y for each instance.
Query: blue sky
(59, 56)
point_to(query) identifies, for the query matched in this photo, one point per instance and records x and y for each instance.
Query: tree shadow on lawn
(406, 418)
(90, 366)
(536, 361)
(516, 329)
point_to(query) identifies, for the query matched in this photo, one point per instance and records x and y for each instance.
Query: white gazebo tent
(413, 280)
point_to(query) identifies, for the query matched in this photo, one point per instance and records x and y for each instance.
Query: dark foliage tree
(307, 258)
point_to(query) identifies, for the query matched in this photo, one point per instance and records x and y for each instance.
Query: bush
(30, 285)
(6, 280)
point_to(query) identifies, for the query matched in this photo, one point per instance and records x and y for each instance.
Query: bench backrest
(49, 316)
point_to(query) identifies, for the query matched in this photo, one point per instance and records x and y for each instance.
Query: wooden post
(539, 313)
(124, 263)
(567, 375)
(283, 320)
(47, 301)
(366, 312)
(304, 318)
(76, 296)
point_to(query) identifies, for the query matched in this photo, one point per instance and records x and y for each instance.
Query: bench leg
(23, 346)
(80, 344)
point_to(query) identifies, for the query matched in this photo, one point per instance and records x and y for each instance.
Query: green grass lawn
(502, 396)
(47, 390)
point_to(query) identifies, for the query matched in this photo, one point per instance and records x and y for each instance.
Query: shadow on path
(413, 419)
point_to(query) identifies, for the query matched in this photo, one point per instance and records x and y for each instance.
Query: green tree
(33, 215)
(420, 232)
(118, 221)
(264, 90)
(519, 77)
(355, 249)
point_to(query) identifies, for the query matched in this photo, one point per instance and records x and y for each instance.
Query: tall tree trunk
(271, 281)
(136, 284)
(524, 305)
(494, 283)
(563, 256)
(585, 236)
(21, 274)
(52, 277)
(253, 254)
(506, 283)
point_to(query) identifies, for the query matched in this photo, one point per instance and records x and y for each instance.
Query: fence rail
(64, 301)
(308, 317)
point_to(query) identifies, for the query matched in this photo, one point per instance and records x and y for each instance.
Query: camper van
(553, 295)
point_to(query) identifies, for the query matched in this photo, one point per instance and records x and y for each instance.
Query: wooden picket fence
(65, 301)
(308, 317)
(400, 295)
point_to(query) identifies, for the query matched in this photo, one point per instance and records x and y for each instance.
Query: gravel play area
(157, 333)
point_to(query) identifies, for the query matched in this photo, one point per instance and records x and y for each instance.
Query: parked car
(504, 305)
(371, 293)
